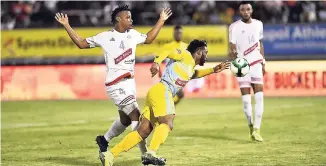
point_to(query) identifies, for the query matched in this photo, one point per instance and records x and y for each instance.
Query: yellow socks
(176, 99)
(160, 134)
(129, 141)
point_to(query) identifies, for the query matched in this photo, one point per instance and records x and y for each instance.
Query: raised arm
(175, 55)
(152, 34)
(204, 72)
(78, 40)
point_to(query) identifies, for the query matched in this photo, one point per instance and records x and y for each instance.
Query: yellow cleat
(251, 131)
(107, 158)
(256, 135)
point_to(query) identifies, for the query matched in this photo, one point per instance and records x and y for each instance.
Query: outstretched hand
(154, 69)
(224, 65)
(165, 14)
(62, 18)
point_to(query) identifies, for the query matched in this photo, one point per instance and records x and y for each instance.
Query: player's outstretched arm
(79, 41)
(204, 72)
(151, 35)
(233, 51)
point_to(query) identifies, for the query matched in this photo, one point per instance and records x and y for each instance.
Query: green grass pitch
(208, 132)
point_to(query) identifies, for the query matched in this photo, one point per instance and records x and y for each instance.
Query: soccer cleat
(107, 158)
(251, 130)
(151, 158)
(102, 143)
(256, 135)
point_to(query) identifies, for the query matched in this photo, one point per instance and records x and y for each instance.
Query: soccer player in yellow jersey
(159, 109)
(177, 43)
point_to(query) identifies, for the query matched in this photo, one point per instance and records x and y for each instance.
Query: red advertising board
(295, 78)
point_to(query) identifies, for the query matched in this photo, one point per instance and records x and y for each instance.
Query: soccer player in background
(119, 47)
(159, 110)
(245, 38)
(177, 43)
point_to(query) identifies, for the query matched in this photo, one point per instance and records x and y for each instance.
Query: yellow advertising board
(56, 42)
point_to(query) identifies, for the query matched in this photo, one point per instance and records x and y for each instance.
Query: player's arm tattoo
(233, 51)
(78, 40)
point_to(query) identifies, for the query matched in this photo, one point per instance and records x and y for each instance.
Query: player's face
(203, 56)
(125, 19)
(245, 11)
(177, 35)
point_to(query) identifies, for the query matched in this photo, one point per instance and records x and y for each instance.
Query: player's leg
(162, 107)
(257, 85)
(180, 94)
(117, 127)
(134, 117)
(161, 131)
(132, 139)
(244, 84)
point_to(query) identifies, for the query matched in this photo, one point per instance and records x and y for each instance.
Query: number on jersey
(251, 39)
(122, 45)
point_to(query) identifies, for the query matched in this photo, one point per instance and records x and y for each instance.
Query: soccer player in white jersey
(245, 38)
(119, 47)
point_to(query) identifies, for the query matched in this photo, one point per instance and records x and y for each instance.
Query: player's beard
(202, 60)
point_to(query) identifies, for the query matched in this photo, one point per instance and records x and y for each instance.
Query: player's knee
(144, 132)
(170, 126)
(125, 121)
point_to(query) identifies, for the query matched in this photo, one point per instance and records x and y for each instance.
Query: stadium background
(39, 62)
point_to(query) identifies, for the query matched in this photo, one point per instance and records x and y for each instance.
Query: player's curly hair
(117, 10)
(195, 45)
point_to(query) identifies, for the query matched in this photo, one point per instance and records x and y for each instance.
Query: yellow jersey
(180, 69)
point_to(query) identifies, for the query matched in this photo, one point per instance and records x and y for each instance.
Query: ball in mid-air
(240, 67)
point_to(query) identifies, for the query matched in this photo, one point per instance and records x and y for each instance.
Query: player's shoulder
(257, 21)
(234, 24)
(133, 31)
(104, 33)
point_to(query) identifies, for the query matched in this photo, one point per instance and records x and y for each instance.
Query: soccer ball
(240, 67)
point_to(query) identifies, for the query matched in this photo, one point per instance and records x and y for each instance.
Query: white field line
(179, 113)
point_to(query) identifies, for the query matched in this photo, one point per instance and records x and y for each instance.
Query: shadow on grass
(65, 160)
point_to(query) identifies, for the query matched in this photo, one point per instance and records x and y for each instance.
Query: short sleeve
(139, 37)
(94, 41)
(232, 35)
(261, 33)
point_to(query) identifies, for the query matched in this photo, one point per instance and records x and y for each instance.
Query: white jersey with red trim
(119, 51)
(246, 38)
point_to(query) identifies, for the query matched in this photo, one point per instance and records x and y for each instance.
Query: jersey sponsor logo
(249, 50)
(123, 56)
(130, 61)
(180, 82)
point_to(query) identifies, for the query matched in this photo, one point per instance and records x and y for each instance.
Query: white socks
(116, 129)
(259, 109)
(142, 144)
(247, 108)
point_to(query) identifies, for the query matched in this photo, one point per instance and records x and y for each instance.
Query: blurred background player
(119, 47)
(245, 38)
(159, 111)
(177, 43)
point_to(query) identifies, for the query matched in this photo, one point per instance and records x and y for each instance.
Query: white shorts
(123, 94)
(255, 76)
